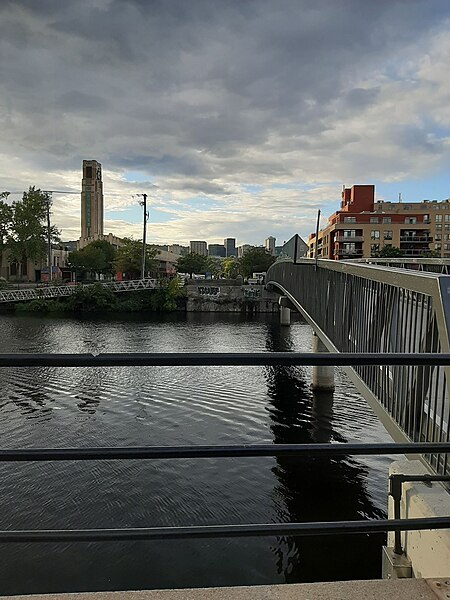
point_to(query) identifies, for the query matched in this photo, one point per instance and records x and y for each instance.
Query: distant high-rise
(197, 247)
(91, 200)
(230, 246)
(178, 249)
(269, 244)
(216, 250)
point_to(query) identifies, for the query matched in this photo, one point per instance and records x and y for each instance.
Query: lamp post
(144, 234)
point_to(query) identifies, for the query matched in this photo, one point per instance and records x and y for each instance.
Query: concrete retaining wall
(222, 296)
(429, 551)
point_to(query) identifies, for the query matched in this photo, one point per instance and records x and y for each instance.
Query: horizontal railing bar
(221, 531)
(254, 450)
(221, 359)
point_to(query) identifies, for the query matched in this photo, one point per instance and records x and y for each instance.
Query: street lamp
(144, 235)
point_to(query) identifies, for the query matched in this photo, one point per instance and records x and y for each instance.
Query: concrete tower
(91, 200)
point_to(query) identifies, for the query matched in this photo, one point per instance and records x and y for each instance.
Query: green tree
(255, 260)
(214, 266)
(388, 252)
(129, 258)
(27, 239)
(231, 267)
(97, 257)
(192, 263)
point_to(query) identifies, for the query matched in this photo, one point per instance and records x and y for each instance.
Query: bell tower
(91, 200)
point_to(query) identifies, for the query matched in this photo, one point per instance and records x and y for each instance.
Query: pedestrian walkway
(398, 589)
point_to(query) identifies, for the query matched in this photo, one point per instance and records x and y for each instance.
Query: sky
(238, 118)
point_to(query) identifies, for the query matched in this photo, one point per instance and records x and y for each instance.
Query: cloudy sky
(239, 118)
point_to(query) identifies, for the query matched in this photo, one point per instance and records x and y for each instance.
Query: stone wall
(224, 296)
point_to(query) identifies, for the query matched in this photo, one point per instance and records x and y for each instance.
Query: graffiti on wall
(209, 291)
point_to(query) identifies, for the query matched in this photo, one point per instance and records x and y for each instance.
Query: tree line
(101, 258)
(254, 260)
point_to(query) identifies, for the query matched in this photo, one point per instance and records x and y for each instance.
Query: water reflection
(315, 488)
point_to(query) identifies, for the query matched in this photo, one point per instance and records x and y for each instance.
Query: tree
(230, 267)
(27, 239)
(129, 258)
(388, 252)
(192, 263)
(214, 266)
(97, 257)
(255, 260)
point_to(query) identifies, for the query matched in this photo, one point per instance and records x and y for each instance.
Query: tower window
(88, 172)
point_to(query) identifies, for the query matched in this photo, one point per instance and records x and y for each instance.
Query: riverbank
(196, 296)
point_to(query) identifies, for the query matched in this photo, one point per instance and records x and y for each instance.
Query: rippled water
(54, 407)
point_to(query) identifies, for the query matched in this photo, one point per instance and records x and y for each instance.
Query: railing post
(322, 377)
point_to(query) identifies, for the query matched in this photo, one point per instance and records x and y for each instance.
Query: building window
(438, 237)
(386, 219)
(437, 246)
(447, 218)
(349, 233)
(374, 219)
(375, 234)
(349, 219)
(411, 220)
(426, 219)
(438, 218)
(436, 207)
(446, 226)
(438, 227)
(446, 236)
(406, 207)
(374, 248)
(387, 234)
(446, 246)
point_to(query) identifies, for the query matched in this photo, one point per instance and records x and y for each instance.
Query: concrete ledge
(400, 589)
(429, 551)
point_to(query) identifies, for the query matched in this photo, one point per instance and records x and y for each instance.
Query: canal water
(55, 407)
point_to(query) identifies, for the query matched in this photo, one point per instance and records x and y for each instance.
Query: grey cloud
(206, 93)
(75, 100)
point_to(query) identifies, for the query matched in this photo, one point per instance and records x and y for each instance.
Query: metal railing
(372, 309)
(217, 452)
(59, 291)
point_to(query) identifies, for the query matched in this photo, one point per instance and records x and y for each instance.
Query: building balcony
(416, 252)
(342, 252)
(353, 238)
(422, 239)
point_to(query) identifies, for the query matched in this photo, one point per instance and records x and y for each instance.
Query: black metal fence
(441, 448)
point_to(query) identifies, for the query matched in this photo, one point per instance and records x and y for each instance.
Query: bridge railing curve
(364, 308)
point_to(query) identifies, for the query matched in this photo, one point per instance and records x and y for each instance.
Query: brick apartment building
(362, 227)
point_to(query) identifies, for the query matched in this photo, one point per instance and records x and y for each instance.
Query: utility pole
(144, 235)
(49, 201)
(49, 237)
(316, 256)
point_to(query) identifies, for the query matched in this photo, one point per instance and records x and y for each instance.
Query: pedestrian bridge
(362, 308)
(59, 291)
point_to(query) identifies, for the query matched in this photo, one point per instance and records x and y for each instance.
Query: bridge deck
(400, 589)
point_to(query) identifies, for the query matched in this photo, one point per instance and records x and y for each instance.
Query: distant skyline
(238, 119)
